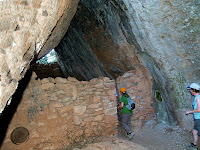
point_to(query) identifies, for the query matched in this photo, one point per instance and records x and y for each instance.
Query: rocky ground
(153, 137)
(163, 137)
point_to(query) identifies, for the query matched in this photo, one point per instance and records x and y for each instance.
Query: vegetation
(179, 91)
(48, 58)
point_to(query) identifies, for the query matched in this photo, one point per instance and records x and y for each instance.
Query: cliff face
(28, 28)
(106, 38)
(120, 35)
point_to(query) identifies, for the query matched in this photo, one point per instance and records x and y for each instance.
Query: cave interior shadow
(9, 110)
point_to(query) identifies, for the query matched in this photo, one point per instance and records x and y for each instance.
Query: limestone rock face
(28, 28)
(106, 38)
(122, 35)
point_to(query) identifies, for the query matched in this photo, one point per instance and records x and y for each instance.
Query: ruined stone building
(152, 48)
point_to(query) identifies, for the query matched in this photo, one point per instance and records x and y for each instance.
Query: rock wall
(60, 113)
(28, 28)
(161, 36)
(110, 38)
(139, 88)
(167, 34)
(63, 113)
(47, 70)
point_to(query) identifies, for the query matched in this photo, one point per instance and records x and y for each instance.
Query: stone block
(111, 119)
(59, 85)
(106, 103)
(36, 83)
(98, 109)
(94, 123)
(47, 86)
(56, 104)
(60, 80)
(111, 111)
(94, 105)
(45, 80)
(91, 89)
(99, 112)
(75, 91)
(39, 124)
(113, 98)
(99, 118)
(97, 99)
(61, 96)
(90, 111)
(88, 119)
(78, 120)
(106, 79)
(85, 82)
(66, 109)
(110, 85)
(100, 89)
(112, 91)
(99, 85)
(52, 80)
(79, 110)
(94, 80)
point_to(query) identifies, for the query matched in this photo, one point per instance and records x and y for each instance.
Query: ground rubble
(113, 143)
(155, 137)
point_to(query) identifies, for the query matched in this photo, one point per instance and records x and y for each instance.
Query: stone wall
(60, 113)
(47, 70)
(139, 87)
(63, 113)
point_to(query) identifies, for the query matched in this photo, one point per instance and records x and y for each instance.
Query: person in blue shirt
(195, 90)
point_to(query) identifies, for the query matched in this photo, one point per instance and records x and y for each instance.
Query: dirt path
(161, 137)
(151, 137)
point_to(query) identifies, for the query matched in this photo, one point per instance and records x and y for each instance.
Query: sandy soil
(161, 137)
(151, 137)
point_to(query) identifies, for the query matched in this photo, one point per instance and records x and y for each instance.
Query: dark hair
(126, 95)
(196, 91)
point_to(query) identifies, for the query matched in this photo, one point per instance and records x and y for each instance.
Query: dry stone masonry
(139, 88)
(64, 113)
(59, 113)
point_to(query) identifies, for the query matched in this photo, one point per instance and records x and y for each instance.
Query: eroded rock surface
(106, 38)
(28, 28)
(123, 35)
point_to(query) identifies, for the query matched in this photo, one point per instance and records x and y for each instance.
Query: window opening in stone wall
(48, 58)
(47, 66)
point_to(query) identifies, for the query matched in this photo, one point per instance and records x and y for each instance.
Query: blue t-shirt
(194, 105)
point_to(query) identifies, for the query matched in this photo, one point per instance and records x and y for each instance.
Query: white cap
(194, 86)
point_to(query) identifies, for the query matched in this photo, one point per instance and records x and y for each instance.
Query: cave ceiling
(99, 42)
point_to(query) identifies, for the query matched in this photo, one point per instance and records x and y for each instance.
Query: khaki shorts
(197, 125)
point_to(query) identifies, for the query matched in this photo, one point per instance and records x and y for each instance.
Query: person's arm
(121, 105)
(195, 110)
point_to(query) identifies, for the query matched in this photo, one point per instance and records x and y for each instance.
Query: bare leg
(195, 136)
